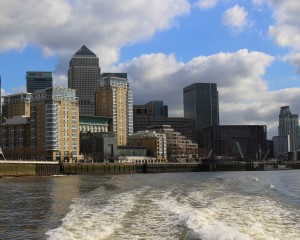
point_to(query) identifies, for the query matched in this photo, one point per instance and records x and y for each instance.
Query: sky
(250, 48)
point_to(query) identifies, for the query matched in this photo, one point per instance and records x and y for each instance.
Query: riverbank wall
(19, 168)
(28, 169)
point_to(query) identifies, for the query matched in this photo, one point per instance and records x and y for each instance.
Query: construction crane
(240, 150)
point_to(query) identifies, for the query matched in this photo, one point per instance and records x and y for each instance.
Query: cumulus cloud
(244, 95)
(206, 4)
(286, 30)
(62, 26)
(235, 18)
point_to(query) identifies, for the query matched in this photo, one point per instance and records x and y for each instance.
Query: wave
(209, 211)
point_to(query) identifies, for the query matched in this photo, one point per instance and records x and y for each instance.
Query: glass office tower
(84, 77)
(201, 104)
(38, 80)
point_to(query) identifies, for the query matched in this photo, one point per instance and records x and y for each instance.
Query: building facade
(98, 146)
(16, 105)
(93, 124)
(54, 122)
(38, 80)
(15, 138)
(143, 118)
(179, 148)
(281, 145)
(201, 104)
(156, 143)
(158, 108)
(84, 77)
(114, 100)
(289, 126)
(240, 141)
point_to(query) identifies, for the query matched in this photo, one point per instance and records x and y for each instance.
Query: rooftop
(84, 51)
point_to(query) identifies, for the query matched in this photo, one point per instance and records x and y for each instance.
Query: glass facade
(84, 76)
(201, 103)
(38, 80)
(289, 126)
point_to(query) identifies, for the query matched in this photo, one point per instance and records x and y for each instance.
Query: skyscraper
(84, 76)
(201, 104)
(38, 80)
(114, 99)
(289, 126)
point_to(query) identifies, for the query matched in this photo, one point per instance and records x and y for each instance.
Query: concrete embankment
(94, 168)
(19, 168)
(28, 169)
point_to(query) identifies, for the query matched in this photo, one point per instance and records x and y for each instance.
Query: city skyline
(249, 48)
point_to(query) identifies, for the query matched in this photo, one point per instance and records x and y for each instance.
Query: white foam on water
(234, 217)
(209, 212)
(90, 221)
(203, 222)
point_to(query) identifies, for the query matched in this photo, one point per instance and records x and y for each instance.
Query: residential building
(38, 80)
(16, 105)
(15, 138)
(84, 77)
(201, 104)
(240, 141)
(179, 148)
(114, 100)
(155, 142)
(55, 124)
(289, 126)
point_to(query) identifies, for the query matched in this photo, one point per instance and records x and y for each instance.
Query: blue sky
(250, 48)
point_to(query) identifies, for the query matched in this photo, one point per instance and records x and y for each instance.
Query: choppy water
(217, 205)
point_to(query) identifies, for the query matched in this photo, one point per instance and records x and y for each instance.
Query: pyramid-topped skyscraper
(83, 76)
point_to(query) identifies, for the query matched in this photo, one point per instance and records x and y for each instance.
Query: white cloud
(244, 95)
(206, 4)
(62, 26)
(243, 92)
(235, 18)
(286, 30)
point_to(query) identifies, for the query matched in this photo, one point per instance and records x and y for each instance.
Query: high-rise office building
(84, 76)
(38, 80)
(201, 104)
(289, 126)
(114, 99)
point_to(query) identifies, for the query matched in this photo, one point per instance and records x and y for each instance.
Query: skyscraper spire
(84, 76)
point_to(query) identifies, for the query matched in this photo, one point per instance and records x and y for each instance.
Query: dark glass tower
(159, 109)
(38, 80)
(84, 77)
(201, 104)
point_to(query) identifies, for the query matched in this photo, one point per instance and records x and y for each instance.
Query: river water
(214, 205)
